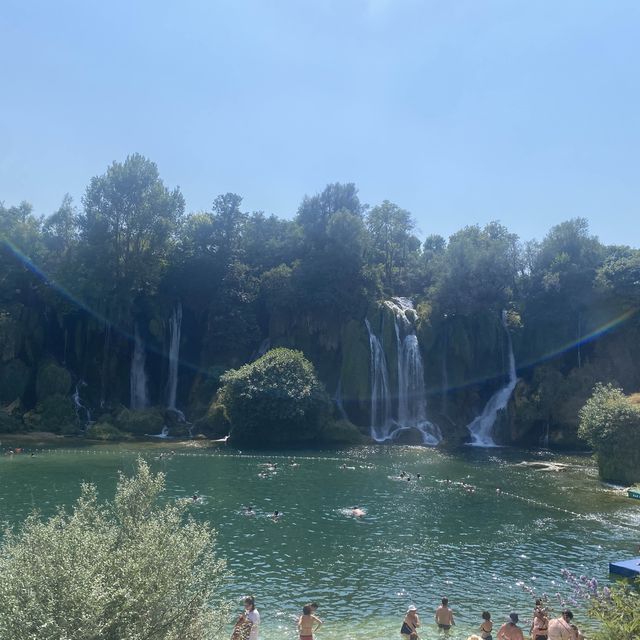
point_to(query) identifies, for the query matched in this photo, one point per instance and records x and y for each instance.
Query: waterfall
(174, 353)
(445, 371)
(481, 428)
(412, 404)
(380, 396)
(138, 380)
(80, 407)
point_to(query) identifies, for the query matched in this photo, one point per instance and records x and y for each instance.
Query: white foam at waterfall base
(481, 428)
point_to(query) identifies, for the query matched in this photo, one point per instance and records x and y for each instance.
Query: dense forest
(129, 310)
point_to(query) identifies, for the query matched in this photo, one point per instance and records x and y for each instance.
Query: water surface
(420, 539)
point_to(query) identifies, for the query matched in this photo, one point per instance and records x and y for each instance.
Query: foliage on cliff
(610, 422)
(76, 286)
(276, 400)
(128, 569)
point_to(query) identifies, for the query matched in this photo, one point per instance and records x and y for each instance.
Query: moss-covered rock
(214, 424)
(57, 414)
(52, 379)
(145, 422)
(355, 373)
(9, 423)
(106, 432)
(14, 377)
(341, 432)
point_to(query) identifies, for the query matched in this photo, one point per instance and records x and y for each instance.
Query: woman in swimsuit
(486, 627)
(540, 627)
(410, 624)
(306, 622)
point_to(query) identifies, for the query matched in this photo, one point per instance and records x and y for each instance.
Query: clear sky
(461, 111)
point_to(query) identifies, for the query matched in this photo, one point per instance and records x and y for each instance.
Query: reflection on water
(449, 532)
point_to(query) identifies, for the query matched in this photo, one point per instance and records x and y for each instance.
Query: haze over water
(419, 540)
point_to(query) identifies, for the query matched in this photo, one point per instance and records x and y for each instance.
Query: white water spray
(412, 404)
(174, 356)
(481, 428)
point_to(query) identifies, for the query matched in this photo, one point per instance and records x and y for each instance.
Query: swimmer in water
(357, 512)
(276, 516)
(248, 511)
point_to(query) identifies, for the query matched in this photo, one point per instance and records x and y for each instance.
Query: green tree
(610, 423)
(276, 400)
(127, 229)
(125, 570)
(392, 242)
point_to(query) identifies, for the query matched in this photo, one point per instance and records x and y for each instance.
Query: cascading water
(174, 354)
(380, 396)
(80, 407)
(481, 428)
(337, 398)
(138, 379)
(412, 404)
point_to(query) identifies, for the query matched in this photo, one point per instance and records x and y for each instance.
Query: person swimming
(357, 512)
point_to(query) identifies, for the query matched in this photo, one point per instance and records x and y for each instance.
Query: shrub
(128, 569)
(52, 379)
(610, 423)
(214, 423)
(57, 414)
(276, 400)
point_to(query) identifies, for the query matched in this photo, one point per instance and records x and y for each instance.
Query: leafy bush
(8, 424)
(610, 423)
(214, 423)
(128, 569)
(276, 400)
(57, 414)
(52, 379)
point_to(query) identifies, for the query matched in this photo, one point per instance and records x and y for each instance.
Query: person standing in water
(510, 629)
(410, 624)
(306, 623)
(444, 616)
(252, 615)
(486, 627)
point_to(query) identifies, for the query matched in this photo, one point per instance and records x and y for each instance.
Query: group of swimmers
(542, 628)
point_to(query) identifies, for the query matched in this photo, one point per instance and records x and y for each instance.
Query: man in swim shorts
(444, 615)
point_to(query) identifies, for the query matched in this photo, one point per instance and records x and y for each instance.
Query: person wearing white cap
(510, 629)
(410, 624)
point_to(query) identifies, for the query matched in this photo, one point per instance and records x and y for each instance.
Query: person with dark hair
(540, 626)
(510, 629)
(306, 622)
(444, 615)
(561, 628)
(486, 627)
(252, 615)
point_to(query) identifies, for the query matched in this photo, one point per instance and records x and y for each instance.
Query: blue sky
(461, 111)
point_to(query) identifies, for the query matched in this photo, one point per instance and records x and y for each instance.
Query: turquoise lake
(419, 540)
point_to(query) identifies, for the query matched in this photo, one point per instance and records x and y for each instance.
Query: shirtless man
(306, 623)
(510, 629)
(444, 615)
(561, 628)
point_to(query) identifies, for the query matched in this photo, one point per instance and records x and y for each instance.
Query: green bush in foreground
(610, 423)
(129, 569)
